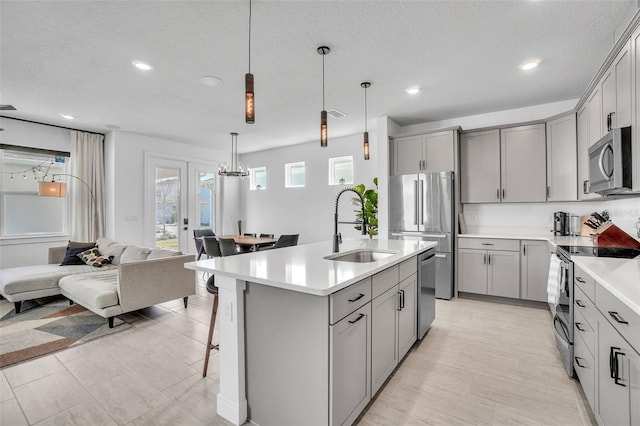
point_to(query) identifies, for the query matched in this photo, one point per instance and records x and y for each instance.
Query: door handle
(401, 299)
(489, 259)
(503, 194)
(498, 193)
(398, 301)
(420, 208)
(484, 259)
(415, 202)
(616, 378)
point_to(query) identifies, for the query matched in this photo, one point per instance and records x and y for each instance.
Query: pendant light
(323, 50)
(365, 85)
(249, 104)
(236, 169)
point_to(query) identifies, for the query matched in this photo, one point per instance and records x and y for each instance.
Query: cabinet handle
(579, 303)
(503, 194)
(611, 362)
(524, 250)
(489, 259)
(579, 326)
(401, 299)
(585, 187)
(577, 358)
(580, 280)
(498, 193)
(616, 378)
(616, 316)
(484, 259)
(548, 191)
(357, 319)
(358, 297)
(609, 121)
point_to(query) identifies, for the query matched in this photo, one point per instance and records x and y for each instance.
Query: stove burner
(619, 252)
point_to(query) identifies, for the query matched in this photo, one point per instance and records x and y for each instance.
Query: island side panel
(287, 356)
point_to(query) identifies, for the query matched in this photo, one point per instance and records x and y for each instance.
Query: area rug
(48, 325)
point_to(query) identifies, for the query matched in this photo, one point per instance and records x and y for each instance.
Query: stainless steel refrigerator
(421, 206)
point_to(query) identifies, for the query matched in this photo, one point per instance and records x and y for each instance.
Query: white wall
(31, 250)
(125, 179)
(306, 211)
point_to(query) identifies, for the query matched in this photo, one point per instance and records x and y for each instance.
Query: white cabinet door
(503, 273)
(635, 83)
(408, 155)
(480, 167)
(595, 116)
(439, 151)
(384, 338)
(407, 324)
(608, 90)
(523, 163)
(472, 271)
(584, 364)
(562, 167)
(613, 366)
(350, 366)
(534, 258)
(622, 71)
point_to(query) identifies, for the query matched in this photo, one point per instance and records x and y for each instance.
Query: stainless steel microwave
(610, 163)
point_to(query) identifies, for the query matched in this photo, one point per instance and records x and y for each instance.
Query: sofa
(134, 278)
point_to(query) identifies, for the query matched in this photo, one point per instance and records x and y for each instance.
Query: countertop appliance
(561, 223)
(426, 291)
(421, 207)
(610, 162)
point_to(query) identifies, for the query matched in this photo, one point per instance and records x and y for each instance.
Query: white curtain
(87, 191)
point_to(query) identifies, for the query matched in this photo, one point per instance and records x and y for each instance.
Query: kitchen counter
(555, 240)
(304, 268)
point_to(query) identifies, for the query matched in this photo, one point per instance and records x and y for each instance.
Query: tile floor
(481, 363)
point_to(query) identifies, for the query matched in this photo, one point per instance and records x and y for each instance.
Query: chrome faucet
(337, 237)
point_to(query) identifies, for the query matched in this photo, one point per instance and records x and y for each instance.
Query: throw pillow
(92, 257)
(71, 256)
(134, 254)
(80, 244)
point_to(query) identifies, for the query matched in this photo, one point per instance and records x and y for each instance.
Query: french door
(181, 197)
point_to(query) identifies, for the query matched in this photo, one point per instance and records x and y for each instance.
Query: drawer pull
(616, 316)
(579, 327)
(579, 303)
(358, 297)
(580, 280)
(616, 378)
(577, 358)
(486, 244)
(357, 319)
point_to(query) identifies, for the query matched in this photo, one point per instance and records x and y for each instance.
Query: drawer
(489, 244)
(383, 281)
(582, 328)
(584, 281)
(585, 306)
(408, 268)
(622, 317)
(347, 300)
(584, 364)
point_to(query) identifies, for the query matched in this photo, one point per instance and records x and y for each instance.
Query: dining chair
(245, 249)
(227, 246)
(286, 240)
(248, 234)
(261, 246)
(197, 238)
(266, 235)
(211, 246)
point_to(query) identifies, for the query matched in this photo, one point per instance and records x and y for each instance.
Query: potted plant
(370, 197)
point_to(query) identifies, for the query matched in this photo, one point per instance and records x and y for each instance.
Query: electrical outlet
(474, 218)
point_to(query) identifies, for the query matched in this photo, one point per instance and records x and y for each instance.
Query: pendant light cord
(365, 109)
(323, 81)
(249, 36)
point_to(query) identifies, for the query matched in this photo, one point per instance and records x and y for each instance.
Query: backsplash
(538, 217)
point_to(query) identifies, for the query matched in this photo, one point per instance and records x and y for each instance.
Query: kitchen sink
(360, 256)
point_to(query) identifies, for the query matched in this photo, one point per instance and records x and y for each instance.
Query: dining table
(252, 242)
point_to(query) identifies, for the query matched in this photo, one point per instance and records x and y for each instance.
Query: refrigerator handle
(421, 206)
(415, 202)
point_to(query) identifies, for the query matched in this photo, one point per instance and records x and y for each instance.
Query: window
(258, 178)
(23, 211)
(294, 175)
(341, 170)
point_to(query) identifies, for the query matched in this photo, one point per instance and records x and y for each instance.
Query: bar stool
(211, 247)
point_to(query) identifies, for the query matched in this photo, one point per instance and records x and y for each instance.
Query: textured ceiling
(75, 57)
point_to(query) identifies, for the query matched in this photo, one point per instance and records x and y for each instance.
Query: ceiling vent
(7, 108)
(336, 113)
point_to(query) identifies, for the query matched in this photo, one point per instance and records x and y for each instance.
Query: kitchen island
(306, 338)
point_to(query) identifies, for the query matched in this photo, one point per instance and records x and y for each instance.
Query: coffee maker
(561, 223)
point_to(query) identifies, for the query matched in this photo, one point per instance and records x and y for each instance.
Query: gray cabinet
(635, 90)
(394, 324)
(523, 163)
(562, 167)
(534, 262)
(433, 152)
(480, 167)
(489, 266)
(615, 86)
(350, 366)
(594, 106)
(584, 141)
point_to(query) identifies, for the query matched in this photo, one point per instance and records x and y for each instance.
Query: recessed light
(529, 65)
(211, 80)
(142, 65)
(67, 116)
(413, 90)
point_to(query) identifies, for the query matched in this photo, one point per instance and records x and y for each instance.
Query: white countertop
(553, 239)
(303, 268)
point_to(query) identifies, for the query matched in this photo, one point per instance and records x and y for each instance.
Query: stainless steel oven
(563, 312)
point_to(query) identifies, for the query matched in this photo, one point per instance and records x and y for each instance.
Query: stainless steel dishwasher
(426, 291)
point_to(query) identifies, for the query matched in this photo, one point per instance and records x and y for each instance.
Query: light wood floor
(482, 363)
